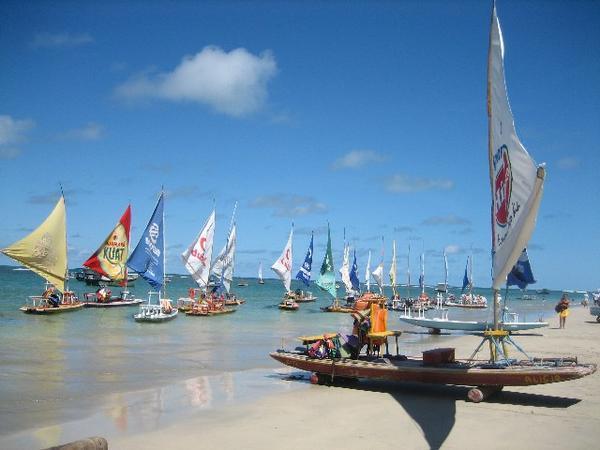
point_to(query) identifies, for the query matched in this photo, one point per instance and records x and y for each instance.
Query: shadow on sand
(433, 406)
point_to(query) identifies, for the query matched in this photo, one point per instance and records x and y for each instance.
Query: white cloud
(356, 159)
(289, 205)
(405, 184)
(11, 132)
(233, 83)
(54, 40)
(568, 163)
(453, 249)
(90, 132)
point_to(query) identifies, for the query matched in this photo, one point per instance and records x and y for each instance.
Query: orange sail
(111, 257)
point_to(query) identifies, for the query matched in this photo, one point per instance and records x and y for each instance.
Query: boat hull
(210, 313)
(156, 318)
(457, 373)
(465, 325)
(113, 304)
(50, 310)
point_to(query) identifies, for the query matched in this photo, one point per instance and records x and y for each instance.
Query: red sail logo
(502, 186)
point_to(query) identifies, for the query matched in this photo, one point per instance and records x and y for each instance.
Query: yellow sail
(45, 250)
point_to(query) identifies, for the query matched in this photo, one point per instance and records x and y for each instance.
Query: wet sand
(385, 415)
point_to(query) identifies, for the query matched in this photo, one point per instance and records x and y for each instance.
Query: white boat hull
(465, 325)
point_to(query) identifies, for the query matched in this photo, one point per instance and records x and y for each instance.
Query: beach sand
(387, 415)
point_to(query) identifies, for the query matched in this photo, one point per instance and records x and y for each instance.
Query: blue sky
(368, 115)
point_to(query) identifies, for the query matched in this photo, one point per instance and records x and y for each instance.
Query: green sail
(326, 279)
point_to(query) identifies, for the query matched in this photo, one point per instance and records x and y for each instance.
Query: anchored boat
(44, 251)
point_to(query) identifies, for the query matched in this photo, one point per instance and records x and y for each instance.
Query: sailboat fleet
(516, 184)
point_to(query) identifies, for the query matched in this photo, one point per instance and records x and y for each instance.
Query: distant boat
(260, 274)
(283, 268)
(242, 283)
(303, 275)
(148, 259)
(44, 251)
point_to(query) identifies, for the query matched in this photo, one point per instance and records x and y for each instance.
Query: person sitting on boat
(166, 306)
(51, 296)
(103, 295)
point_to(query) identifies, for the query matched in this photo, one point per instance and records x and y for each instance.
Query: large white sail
(283, 265)
(368, 273)
(378, 276)
(225, 262)
(197, 257)
(516, 181)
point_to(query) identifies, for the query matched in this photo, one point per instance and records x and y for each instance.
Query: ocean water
(60, 368)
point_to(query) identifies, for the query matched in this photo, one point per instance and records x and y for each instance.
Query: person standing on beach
(562, 308)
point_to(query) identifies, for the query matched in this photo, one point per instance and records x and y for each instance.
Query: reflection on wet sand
(150, 409)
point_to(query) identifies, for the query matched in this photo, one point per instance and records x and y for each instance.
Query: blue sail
(304, 272)
(354, 275)
(521, 274)
(148, 257)
(466, 281)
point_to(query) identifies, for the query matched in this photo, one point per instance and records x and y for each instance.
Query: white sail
(197, 257)
(368, 273)
(283, 265)
(345, 271)
(516, 182)
(260, 273)
(225, 262)
(445, 271)
(393, 268)
(378, 276)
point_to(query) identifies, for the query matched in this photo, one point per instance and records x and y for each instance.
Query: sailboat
(223, 267)
(303, 275)
(196, 260)
(283, 268)
(469, 299)
(347, 273)
(260, 274)
(110, 263)
(396, 302)
(516, 187)
(44, 251)
(148, 260)
(327, 282)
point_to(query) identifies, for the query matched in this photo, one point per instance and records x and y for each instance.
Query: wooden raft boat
(199, 312)
(50, 309)
(401, 368)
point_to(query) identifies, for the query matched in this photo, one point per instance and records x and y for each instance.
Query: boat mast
(490, 152)
(66, 242)
(408, 271)
(164, 286)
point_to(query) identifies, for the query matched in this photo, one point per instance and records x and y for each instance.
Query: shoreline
(269, 405)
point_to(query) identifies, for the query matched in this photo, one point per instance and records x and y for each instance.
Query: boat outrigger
(517, 185)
